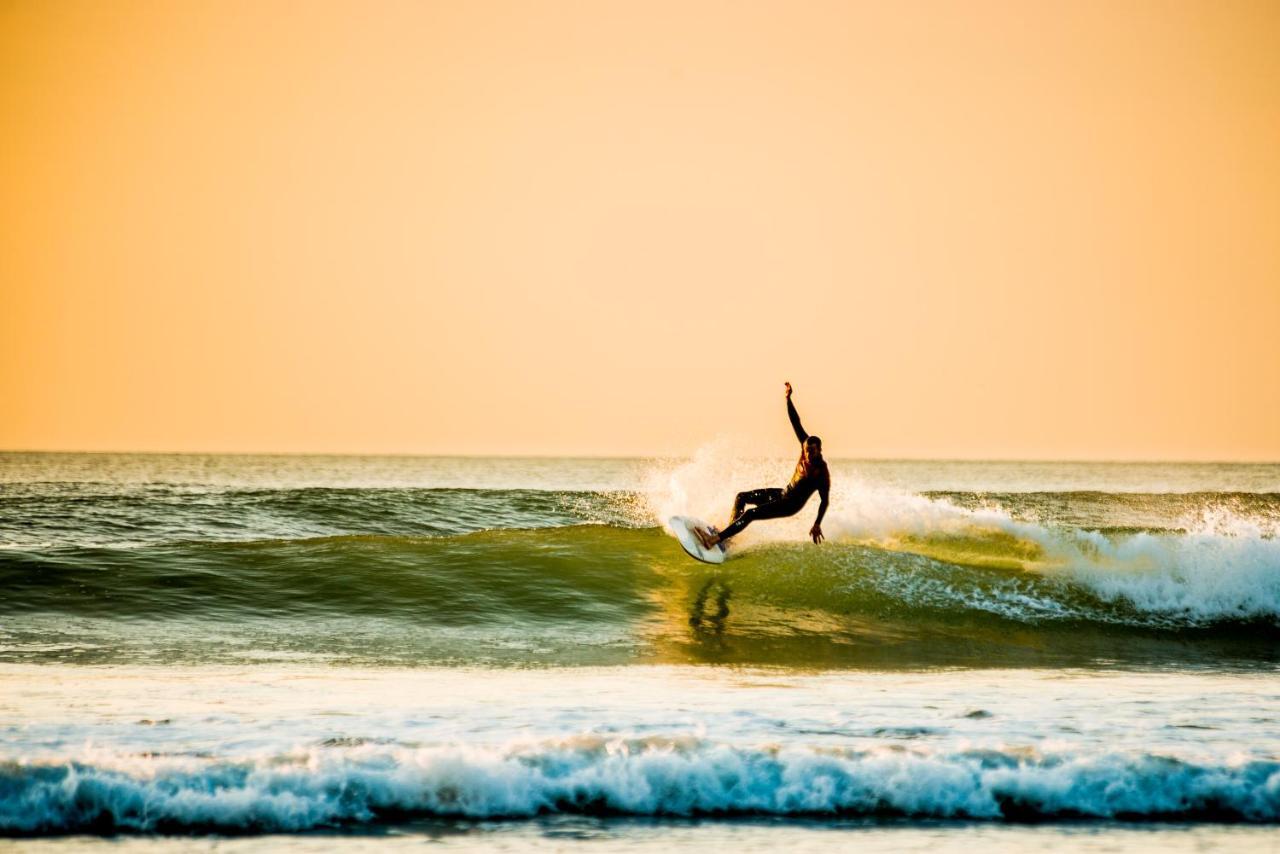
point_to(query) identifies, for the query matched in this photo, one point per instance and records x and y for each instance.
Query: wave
(325, 787)
(971, 569)
(562, 574)
(1173, 560)
(600, 573)
(1121, 512)
(55, 515)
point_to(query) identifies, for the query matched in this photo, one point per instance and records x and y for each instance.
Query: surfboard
(682, 527)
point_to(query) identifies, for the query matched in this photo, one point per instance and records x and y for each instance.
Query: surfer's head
(813, 449)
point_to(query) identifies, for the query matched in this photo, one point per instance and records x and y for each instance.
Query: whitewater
(492, 650)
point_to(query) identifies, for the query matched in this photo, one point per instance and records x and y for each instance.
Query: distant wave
(332, 786)
(54, 515)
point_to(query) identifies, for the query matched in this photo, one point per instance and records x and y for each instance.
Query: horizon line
(513, 456)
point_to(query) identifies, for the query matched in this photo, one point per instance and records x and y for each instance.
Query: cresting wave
(598, 573)
(332, 786)
(1173, 560)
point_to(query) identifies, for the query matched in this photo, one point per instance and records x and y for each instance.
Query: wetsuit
(773, 503)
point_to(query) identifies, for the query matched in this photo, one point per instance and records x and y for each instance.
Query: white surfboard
(682, 527)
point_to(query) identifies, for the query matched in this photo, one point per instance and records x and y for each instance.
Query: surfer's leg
(754, 496)
(783, 507)
(772, 510)
(736, 526)
(742, 517)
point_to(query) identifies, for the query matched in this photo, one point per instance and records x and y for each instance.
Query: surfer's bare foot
(707, 538)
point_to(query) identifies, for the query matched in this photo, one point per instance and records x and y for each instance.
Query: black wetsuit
(774, 503)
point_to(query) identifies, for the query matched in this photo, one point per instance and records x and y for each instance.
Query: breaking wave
(327, 787)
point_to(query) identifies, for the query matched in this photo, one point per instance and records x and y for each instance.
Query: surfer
(810, 476)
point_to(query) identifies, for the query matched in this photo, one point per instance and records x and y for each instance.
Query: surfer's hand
(816, 533)
(788, 385)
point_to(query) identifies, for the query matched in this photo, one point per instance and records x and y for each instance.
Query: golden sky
(961, 229)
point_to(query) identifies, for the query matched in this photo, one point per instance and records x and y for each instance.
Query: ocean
(310, 652)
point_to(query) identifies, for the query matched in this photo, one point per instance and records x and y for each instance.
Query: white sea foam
(673, 777)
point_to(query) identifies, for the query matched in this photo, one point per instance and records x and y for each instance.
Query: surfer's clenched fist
(788, 385)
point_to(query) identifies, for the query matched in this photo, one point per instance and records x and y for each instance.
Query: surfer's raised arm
(795, 417)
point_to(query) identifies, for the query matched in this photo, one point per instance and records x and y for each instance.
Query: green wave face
(603, 594)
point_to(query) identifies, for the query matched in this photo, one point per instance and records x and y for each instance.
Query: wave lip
(323, 787)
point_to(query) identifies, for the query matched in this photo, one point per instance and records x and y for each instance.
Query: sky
(991, 230)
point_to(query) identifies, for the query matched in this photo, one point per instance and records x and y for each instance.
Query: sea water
(309, 652)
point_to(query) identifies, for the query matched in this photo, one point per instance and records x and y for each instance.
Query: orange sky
(962, 229)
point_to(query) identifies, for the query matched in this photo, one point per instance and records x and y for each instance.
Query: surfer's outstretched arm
(795, 418)
(824, 492)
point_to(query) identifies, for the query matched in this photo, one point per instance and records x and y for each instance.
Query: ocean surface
(303, 653)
